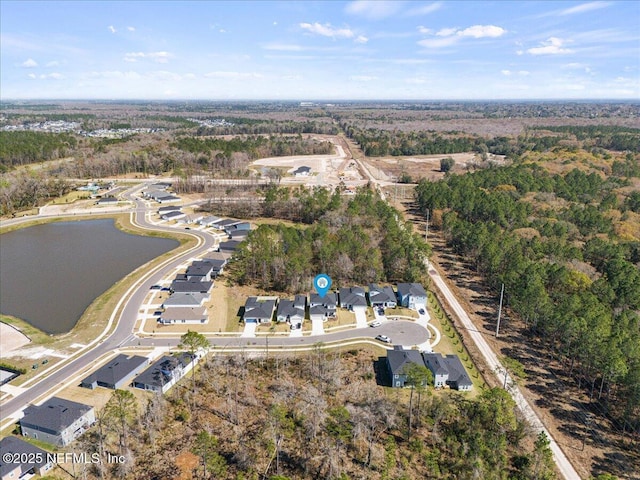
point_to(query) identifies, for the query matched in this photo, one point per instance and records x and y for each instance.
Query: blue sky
(319, 50)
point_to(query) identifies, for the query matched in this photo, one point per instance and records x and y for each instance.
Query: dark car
(421, 311)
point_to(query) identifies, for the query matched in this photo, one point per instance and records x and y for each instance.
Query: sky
(326, 50)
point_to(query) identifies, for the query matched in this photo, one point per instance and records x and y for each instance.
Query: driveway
(361, 318)
(249, 329)
(317, 327)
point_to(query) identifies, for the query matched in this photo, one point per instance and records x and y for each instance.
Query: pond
(49, 274)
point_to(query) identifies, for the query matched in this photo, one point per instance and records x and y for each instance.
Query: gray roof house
(199, 270)
(185, 299)
(165, 372)
(448, 371)
(292, 311)
(259, 309)
(32, 460)
(191, 315)
(382, 296)
(173, 215)
(209, 221)
(217, 262)
(115, 373)
(107, 201)
(57, 421)
(302, 171)
(222, 224)
(191, 286)
(398, 360)
(237, 234)
(167, 198)
(322, 307)
(412, 295)
(228, 246)
(353, 298)
(169, 208)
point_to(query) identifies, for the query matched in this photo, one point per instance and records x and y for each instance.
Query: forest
(569, 272)
(358, 241)
(319, 415)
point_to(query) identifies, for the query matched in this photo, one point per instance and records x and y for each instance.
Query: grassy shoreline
(94, 319)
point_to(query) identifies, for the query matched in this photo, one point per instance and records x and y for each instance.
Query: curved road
(402, 332)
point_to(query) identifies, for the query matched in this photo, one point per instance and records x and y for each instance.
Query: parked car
(156, 287)
(375, 323)
(381, 311)
(421, 311)
(383, 338)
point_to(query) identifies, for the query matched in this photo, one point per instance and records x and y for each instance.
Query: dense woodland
(569, 271)
(358, 241)
(315, 416)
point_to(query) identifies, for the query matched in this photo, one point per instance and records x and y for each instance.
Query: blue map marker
(322, 283)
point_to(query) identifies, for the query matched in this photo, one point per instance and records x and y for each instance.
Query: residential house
(108, 201)
(237, 226)
(169, 208)
(448, 371)
(32, 460)
(209, 221)
(353, 298)
(190, 315)
(383, 297)
(412, 295)
(115, 373)
(228, 246)
(57, 421)
(161, 185)
(259, 309)
(167, 198)
(217, 262)
(195, 286)
(322, 307)
(199, 270)
(397, 363)
(173, 215)
(302, 171)
(238, 234)
(165, 372)
(185, 300)
(292, 312)
(223, 224)
(190, 219)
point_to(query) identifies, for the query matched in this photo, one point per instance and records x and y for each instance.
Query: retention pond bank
(49, 274)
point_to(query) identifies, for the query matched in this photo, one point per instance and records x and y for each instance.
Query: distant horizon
(368, 50)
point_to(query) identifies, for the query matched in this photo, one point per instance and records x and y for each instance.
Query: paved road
(565, 467)
(402, 332)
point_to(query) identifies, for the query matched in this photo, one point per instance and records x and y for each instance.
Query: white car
(383, 338)
(375, 323)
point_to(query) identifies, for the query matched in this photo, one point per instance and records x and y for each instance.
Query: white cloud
(482, 31)
(53, 63)
(327, 30)
(552, 46)
(424, 30)
(158, 57)
(361, 39)
(373, 9)
(424, 10)
(29, 63)
(585, 7)
(32, 75)
(508, 73)
(131, 29)
(505, 72)
(54, 76)
(112, 29)
(446, 37)
(415, 80)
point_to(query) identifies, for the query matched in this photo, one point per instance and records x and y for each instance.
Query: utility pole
(499, 311)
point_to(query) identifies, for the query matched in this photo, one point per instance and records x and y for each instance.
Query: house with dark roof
(412, 295)
(237, 234)
(184, 315)
(302, 171)
(57, 421)
(448, 371)
(31, 459)
(209, 221)
(228, 246)
(165, 372)
(167, 198)
(217, 262)
(292, 311)
(353, 298)
(322, 307)
(199, 270)
(397, 363)
(195, 286)
(169, 208)
(223, 224)
(115, 373)
(107, 201)
(259, 309)
(173, 215)
(383, 297)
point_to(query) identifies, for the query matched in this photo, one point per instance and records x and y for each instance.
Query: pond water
(49, 274)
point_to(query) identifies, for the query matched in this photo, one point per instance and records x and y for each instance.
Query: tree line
(355, 242)
(25, 147)
(567, 274)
